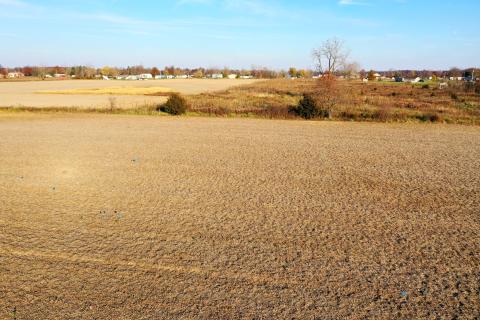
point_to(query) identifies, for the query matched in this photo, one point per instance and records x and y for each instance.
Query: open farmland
(118, 217)
(81, 93)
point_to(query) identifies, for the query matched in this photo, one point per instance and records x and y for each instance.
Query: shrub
(424, 117)
(113, 103)
(472, 87)
(307, 107)
(327, 94)
(175, 105)
(425, 86)
(382, 114)
(454, 96)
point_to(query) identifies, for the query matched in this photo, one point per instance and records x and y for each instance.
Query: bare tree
(331, 55)
(350, 69)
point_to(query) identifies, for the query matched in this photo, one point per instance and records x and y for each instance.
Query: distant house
(131, 77)
(170, 76)
(59, 75)
(160, 76)
(246, 77)
(145, 76)
(15, 75)
(217, 76)
(416, 80)
(182, 76)
(232, 76)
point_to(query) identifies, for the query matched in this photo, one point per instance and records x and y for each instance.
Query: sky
(380, 34)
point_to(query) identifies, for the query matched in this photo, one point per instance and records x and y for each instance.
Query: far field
(27, 93)
(458, 102)
(134, 217)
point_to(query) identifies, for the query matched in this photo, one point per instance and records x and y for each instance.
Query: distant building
(15, 75)
(160, 76)
(131, 77)
(182, 76)
(232, 76)
(469, 76)
(246, 77)
(217, 76)
(145, 76)
(59, 75)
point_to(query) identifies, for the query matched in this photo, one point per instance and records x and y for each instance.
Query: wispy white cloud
(121, 20)
(196, 2)
(7, 35)
(257, 7)
(353, 3)
(14, 3)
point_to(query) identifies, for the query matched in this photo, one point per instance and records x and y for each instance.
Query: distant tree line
(86, 72)
(411, 74)
(344, 68)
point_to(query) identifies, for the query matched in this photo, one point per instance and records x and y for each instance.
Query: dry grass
(109, 216)
(375, 101)
(352, 101)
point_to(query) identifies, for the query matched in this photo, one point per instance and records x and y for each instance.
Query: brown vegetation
(335, 99)
(349, 100)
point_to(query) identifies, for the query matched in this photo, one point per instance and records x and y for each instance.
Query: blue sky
(381, 34)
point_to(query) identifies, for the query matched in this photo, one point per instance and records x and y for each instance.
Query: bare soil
(132, 217)
(26, 93)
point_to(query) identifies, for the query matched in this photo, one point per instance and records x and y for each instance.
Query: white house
(232, 76)
(160, 76)
(246, 77)
(416, 80)
(131, 78)
(182, 76)
(217, 76)
(59, 75)
(145, 76)
(14, 75)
